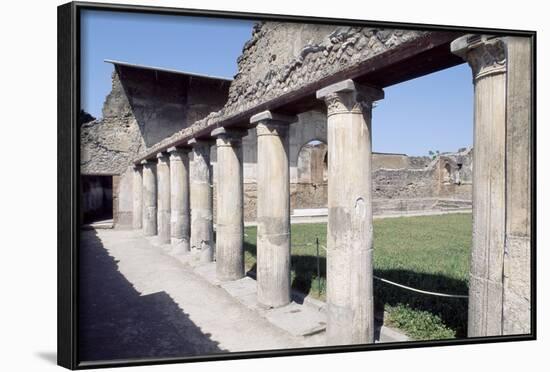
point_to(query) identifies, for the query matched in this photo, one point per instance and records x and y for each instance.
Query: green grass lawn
(430, 253)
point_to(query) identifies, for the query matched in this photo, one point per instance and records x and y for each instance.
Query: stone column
(137, 213)
(179, 199)
(487, 58)
(149, 198)
(163, 198)
(273, 202)
(517, 254)
(350, 308)
(229, 196)
(202, 233)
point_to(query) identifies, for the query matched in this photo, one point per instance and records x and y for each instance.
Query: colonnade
(176, 202)
(177, 207)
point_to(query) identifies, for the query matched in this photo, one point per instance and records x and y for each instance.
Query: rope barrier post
(318, 268)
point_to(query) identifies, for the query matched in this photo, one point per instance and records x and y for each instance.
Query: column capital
(485, 54)
(270, 116)
(176, 153)
(162, 158)
(229, 132)
(270, 123)
(178, 149)
(147, 163)
(137, 167)
(229, 136)
(199, 142)
(349, 97)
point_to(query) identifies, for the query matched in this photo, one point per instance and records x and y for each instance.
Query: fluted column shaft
(350, 306)
(273, 202)
(179, 200)
(202, 233)
(229, 196)
(163, 198)
(149, 198)
(488, 62)
(137, 213)
(516, 296)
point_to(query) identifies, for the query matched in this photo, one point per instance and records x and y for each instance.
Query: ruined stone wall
(282, 57)
(143, 107)
(389, 161)
(108, 145)
(448, 175)
(419, 162)
(404, 183)
(455, 174)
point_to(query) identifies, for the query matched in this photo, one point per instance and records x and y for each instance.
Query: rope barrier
(419, 290)
(411, 288)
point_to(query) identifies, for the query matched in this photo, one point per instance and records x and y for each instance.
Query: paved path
(137, 301)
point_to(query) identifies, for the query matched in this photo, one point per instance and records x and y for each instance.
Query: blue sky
(434, 112)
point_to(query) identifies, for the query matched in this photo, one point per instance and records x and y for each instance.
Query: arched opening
(311, 162)
(97, 198)
(310, 186)
(446, 174)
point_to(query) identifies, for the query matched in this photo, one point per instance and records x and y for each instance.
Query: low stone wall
(403, 183)
(418, 186)
(389, 161)
(417, 205)
(306, 196)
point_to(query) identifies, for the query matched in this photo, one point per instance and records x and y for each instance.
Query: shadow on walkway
(116, 322)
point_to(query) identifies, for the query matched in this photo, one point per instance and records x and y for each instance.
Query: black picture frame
(69, 184)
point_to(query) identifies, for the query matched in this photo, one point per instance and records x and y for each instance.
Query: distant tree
(84, 117)
(433, 154)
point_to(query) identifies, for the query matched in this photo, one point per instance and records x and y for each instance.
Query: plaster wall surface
(124, 198)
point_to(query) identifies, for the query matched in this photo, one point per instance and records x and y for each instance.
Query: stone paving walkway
(136, 300)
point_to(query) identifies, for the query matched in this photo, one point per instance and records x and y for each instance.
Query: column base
(206, 252)
(229, 277)
(180, 246)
